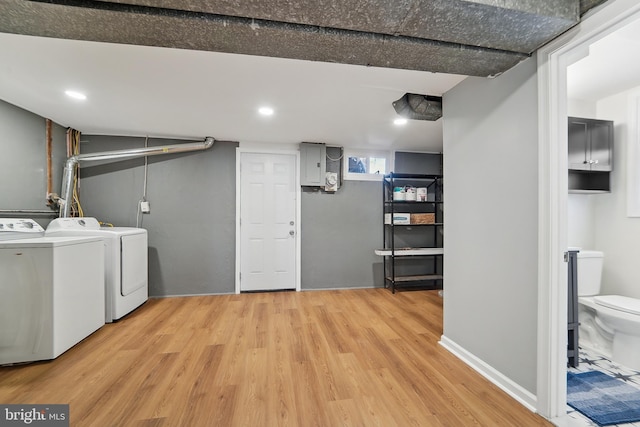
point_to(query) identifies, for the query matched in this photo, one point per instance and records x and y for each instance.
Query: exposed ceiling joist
(517, 26)
(479, 38)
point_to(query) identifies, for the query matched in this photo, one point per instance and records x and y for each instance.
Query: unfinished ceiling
(476, 38)
(186, 69)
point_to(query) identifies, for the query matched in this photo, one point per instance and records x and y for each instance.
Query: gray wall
(418, 163)
(339, 235)
(192, 197)
(491, 191)
(23, 166)
(192, 221)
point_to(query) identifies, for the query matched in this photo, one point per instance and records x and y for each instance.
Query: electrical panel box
(313, 164)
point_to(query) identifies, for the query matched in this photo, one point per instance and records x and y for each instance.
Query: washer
(51, 291)
(126, 262)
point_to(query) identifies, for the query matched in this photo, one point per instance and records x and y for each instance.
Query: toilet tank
(589, 272)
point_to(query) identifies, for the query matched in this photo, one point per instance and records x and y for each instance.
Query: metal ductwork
(116, 155)
(419, 107)
(467, 37)
(587, 5)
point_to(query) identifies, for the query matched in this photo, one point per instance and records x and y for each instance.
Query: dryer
(126, 261)
(51, 291)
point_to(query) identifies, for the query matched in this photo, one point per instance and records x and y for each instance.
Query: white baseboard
(207, 294)
(514, 390)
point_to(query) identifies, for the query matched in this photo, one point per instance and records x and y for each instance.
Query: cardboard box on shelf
(423, 218)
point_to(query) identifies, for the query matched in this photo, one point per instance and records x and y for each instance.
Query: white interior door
(268, 215)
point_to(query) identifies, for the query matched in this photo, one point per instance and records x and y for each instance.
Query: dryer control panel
(19, 228)
(61, 224)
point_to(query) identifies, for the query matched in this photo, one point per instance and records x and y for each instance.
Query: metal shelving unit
(412, 252)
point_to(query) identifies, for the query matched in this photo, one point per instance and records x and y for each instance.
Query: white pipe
(73, 161)
(29, 212)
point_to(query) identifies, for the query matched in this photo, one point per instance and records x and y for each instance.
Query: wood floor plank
(253, 390)
(280, 398)
(363, 357)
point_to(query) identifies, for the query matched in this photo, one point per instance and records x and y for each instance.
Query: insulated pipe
(29, 212)
(69, 150)
(73, 161)
(49, 155)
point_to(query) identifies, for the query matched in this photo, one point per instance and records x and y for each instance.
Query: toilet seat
(619, 302)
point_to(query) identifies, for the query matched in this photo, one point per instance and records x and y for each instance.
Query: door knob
(291, 233)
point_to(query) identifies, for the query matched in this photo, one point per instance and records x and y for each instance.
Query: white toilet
(609, 324)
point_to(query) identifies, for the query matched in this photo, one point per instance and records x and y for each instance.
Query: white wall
(491, 227)
(581, 108)
(581, 222)
(617, 235)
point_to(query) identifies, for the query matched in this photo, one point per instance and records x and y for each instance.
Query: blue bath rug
(604, 399)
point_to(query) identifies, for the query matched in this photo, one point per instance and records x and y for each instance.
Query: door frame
(267, 149)
(553, 60)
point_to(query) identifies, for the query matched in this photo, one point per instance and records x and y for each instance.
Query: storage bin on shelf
(423, 218)
(398, 218)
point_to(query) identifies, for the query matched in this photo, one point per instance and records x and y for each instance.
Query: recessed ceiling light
(400, 122)
(75, 95)
(265, 111)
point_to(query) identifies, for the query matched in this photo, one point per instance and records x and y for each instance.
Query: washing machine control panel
(19, 228)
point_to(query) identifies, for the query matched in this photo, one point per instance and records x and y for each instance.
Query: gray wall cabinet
(590, 144)
(590, 155)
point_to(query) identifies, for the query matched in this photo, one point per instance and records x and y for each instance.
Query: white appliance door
(22, 308)
(267, 221)
(133, 263)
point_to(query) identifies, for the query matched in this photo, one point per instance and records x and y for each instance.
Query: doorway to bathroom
(558, 87)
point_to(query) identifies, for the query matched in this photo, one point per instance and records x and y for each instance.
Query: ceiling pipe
(28, 212)
(49, 138)
(73, 161)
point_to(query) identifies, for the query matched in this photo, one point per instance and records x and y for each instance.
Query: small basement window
(366, 165)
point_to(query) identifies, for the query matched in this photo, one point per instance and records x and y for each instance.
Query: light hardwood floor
(321, 358)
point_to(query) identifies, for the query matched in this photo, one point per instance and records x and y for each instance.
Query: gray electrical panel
(313, 164)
